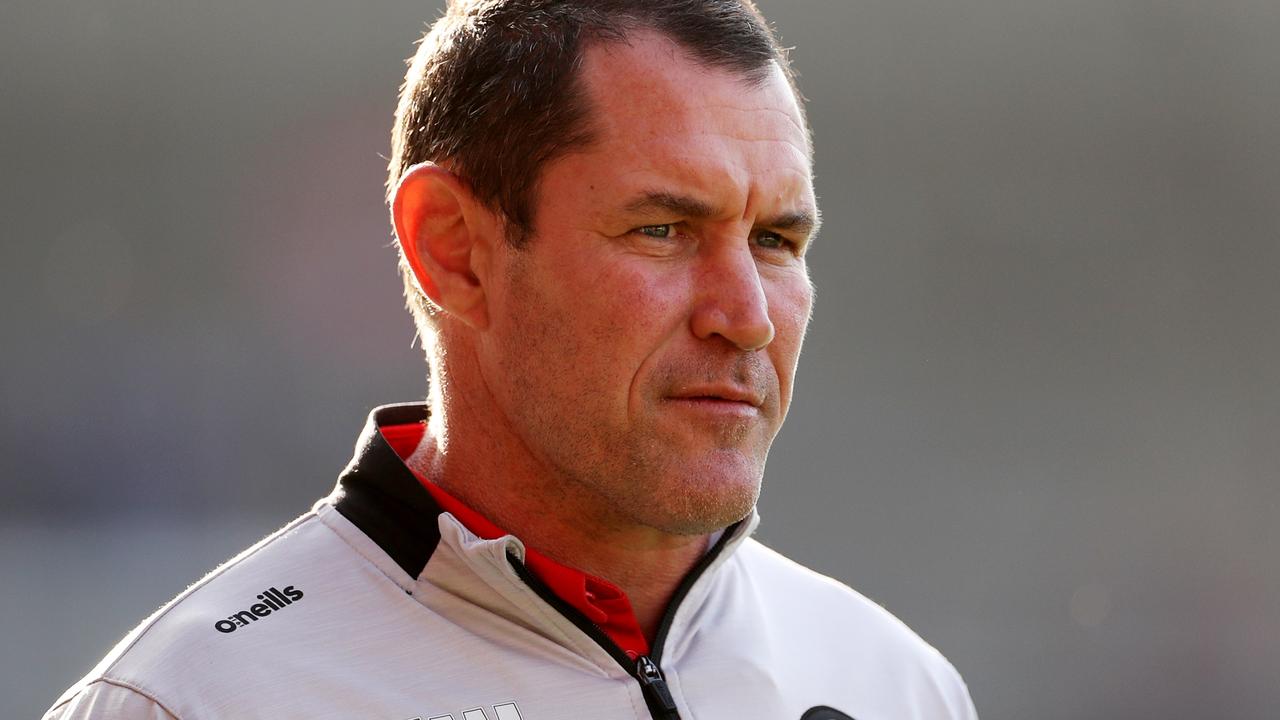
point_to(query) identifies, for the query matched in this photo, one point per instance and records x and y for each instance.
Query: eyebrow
(677, 204)
(804, 222)
(801, 222)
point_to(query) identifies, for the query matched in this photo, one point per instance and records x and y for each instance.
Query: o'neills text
(272, 600)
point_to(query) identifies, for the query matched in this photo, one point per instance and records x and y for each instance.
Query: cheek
(790, 304)
(636, 304)
(643, 307)
(606, 322)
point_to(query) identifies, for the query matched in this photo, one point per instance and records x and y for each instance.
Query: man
(603, 209)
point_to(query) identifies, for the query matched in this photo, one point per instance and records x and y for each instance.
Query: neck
(472, 459)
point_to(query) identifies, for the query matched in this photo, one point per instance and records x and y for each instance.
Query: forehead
(655, 109)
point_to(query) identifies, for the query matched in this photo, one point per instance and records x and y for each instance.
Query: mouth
(719, 400)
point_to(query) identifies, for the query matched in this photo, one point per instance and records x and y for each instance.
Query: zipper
(656, 693)
(645, 669)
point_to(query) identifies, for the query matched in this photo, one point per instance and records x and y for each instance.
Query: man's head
(494, 91)
(633, 335)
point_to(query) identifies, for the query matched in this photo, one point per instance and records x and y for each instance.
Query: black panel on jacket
(384, 499)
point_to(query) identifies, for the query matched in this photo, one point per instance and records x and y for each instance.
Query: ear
(445, 234)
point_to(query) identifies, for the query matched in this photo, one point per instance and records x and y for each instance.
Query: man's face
(643, 344)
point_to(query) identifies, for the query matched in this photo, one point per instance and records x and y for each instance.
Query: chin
(702, 522)
(703, 503)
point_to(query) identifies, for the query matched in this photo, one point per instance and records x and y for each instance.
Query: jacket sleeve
(105, 700)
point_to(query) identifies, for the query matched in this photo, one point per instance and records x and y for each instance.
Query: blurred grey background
(1038, 414)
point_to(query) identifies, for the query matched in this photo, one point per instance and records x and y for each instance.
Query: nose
(731, 300)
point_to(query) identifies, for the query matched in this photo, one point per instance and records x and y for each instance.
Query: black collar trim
(384, 499)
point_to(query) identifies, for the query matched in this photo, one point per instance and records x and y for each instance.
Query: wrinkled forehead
(647, 85)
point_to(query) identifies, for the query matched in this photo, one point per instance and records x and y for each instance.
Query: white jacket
(376, 605)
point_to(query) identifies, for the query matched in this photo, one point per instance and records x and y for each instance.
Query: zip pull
(655, 689)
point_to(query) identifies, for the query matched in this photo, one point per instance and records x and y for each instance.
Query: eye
(657, 231)
(773, 241)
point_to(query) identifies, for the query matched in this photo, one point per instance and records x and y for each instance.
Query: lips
(720, 394)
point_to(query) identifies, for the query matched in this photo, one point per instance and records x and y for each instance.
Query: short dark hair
(492, 92)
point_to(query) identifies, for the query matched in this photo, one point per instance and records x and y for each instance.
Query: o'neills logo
(272, 600)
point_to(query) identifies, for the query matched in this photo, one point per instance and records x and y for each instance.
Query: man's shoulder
(251, 618)
(811, 598)
(817, 611)
(788, 581)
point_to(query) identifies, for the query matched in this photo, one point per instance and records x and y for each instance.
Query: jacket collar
(382, 497)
